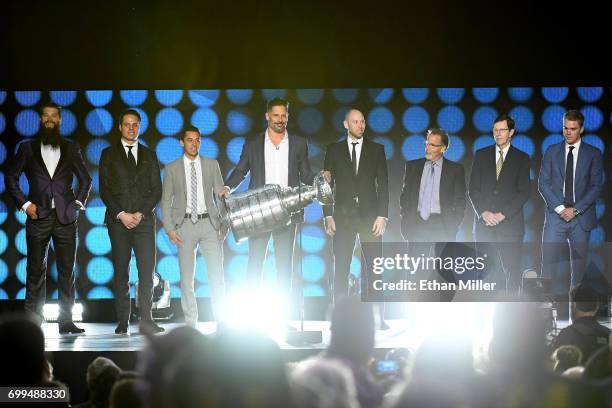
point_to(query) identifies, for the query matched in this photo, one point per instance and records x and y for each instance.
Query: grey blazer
(174, 192)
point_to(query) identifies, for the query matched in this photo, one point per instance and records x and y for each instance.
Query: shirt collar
(505, 149)
(350, 140)
(283, 140)
(188, 160)
(576, 145)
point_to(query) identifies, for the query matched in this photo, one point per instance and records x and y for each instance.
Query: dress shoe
(69, 328)
(122, 328)
(150, 327)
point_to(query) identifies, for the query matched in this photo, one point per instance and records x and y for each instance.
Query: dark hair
(129, 112)
(50, 104)
(189, 129)
(574, 116)
(440, 132)
(277, 102)
(508, 120)
(585, 298)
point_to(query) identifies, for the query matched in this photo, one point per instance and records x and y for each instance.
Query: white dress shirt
(504, 150)
(198, 167)
(277, 161)
(350, 141)
(51, 156)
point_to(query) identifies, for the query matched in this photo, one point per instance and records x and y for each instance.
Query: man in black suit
(49, 163)
(130, 186)
(432, 203)
(273, 157)
(358, 170)
(499, 188)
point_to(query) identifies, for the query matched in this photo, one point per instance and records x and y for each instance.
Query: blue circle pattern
(380, 119)
(2, 123)
(524, 143)
(27, 122)
(313, 291)
(338, 119)
(600, 208)
(595, 141)
(20, 242)
(456, 148)
(313, 239)
(415, 95)
(450, 95)
(164, 244)
(312, 213)
(133, 97)
(3, 241)
(550, 140)
(204, 98)
(590, 94)
(98, 98)
(63, 98)
(270, 94)
(100, 292)
(451, 119)
(555, 95)
(313, 268)
(69, 123)
(239, 96)
(239, 122)
(593, 118)
(27, 98)
(552, 118)
(144, 121)
(234, 148)
(206, 120)
(236, 268)
(3, 211)
(240, 248)
(482, 142)
(95, 211)
(485, 95)
(97, 241)
(413, 147)
(3, 153)
(201, 274)
(168, 150)
(23, 184)
(2, 97)
(310, 96)
(388, 145)
(310, 120)
(415, 119)
(209, 148)
(523, 118)
(169, 121)
(169, 97)
(168, 268)
(99, 122)
(483, 118)
(95, 181)
(383, 95)
(2, 186)
(3, 272)
(21, 270)
(520, 94)
(93, 151)
(100, 270)
(345, 95)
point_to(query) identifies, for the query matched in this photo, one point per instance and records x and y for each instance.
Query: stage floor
(101, 337)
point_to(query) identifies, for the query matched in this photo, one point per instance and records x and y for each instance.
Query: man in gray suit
(191, 219)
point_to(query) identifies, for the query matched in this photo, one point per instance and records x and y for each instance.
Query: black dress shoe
(150, 328)
(122, 328)
(69, 328)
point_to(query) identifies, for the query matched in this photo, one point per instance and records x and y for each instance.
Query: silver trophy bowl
(270, 207)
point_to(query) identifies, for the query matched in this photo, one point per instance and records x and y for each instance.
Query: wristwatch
(576, 211)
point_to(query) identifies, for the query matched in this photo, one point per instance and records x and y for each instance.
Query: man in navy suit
(49, 163)
(273, 157)
(499, 188)
(571, 179)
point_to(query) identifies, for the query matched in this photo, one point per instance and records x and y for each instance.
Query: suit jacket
(452, 195)
(370, 185)
(174, 192)
(588, 181)
(43, 187)
(507, 195)
(252, 159)
(123, 189)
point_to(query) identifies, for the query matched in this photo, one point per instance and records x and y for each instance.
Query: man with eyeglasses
(570, 181)
(499, 188)
(432, 203)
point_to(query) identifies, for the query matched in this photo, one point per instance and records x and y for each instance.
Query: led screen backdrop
(397, 118)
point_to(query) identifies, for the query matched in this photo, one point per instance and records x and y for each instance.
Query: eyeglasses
(500, 130)
(431, 144)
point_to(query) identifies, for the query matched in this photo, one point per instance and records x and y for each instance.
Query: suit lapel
(205, 184)
(561, 160)
(182, 177)
(363, 156)
(63, 156)
(580, 164)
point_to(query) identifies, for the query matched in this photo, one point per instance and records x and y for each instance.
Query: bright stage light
(51, 312)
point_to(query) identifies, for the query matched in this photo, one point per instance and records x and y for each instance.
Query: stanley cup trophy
(270, 207)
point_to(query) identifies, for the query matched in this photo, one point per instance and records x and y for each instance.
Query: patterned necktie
(568, 199)
(194, 193)
(428, 194)
(499, 164)
(354, 157)
(131, 158)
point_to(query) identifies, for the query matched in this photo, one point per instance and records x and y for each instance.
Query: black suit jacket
(370, 185)
(252, 159)
(123, 189)
(506, 195)
(452, 195)
(43, 187)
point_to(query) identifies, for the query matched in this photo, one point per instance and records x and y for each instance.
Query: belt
(200, 216)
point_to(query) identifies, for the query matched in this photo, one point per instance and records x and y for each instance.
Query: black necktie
(354, 157)
(131, 157)
(569, 179)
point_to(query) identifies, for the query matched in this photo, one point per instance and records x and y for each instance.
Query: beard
(50, 136)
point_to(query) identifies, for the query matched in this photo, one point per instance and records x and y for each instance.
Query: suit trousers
(347, 231)
(284, 240)
(141, 239)
(564, 253)
(39, 232)
(504, 253)
(200, 234)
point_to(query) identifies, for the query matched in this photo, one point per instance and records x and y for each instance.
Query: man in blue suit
(571, 179)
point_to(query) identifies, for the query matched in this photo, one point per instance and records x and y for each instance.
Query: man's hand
(499, 217)
(129, 220)
(138, 217)
(379, 226)
(327, 176)
(489, 218)
(567, 214)
(175, 238)
(224, 192)
(330, 226)
(31, 211)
